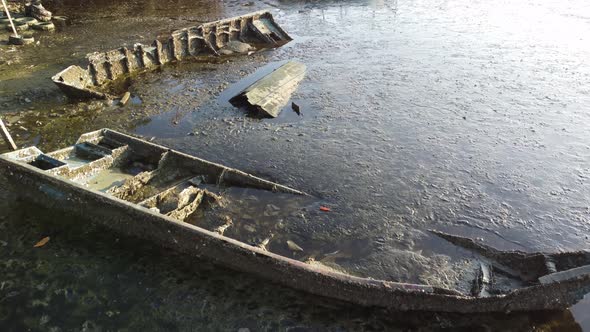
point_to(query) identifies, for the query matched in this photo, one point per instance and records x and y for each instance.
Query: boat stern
(75, 82)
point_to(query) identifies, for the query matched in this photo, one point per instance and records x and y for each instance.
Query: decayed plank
(7, 136)
(272, 92)
(565, 275)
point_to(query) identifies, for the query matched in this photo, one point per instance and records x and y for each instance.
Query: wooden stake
(7, 136)
(10, 20)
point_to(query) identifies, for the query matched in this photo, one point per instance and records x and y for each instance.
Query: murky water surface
(463, 116)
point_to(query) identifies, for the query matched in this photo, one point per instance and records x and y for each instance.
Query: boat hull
(32, 184)
(210, 38)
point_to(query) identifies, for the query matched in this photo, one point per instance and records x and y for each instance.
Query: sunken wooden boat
(145, 190)
(258, 30)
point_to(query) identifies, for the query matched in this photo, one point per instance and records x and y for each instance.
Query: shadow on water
(88, 278)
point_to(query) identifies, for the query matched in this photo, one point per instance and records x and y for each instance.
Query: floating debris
(271, 93)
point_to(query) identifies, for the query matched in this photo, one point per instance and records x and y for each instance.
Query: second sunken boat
(257, 29)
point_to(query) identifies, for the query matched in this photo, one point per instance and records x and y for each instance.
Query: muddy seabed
(424, 115)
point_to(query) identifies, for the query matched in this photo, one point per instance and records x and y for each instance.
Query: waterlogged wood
(42, 242)
(272, 92)
(7, 136)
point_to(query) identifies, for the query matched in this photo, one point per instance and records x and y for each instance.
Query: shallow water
(107, 179)
(75, 162)
(463, 116)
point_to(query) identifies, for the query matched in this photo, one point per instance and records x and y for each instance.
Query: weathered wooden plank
(7, 136)
(272, 92)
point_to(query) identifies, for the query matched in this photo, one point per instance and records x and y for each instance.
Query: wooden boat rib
(258, 29)
(166, 186)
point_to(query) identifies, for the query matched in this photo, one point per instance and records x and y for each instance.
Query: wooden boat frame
(569, 279)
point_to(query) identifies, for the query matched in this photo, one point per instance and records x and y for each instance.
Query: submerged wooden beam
(272, 92)
(7, 136)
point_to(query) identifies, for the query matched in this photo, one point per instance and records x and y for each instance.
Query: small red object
(325, 209)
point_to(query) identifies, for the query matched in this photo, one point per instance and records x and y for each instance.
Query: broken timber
(258, 28)
(161, 187)
(272, 92)
(6, 135)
